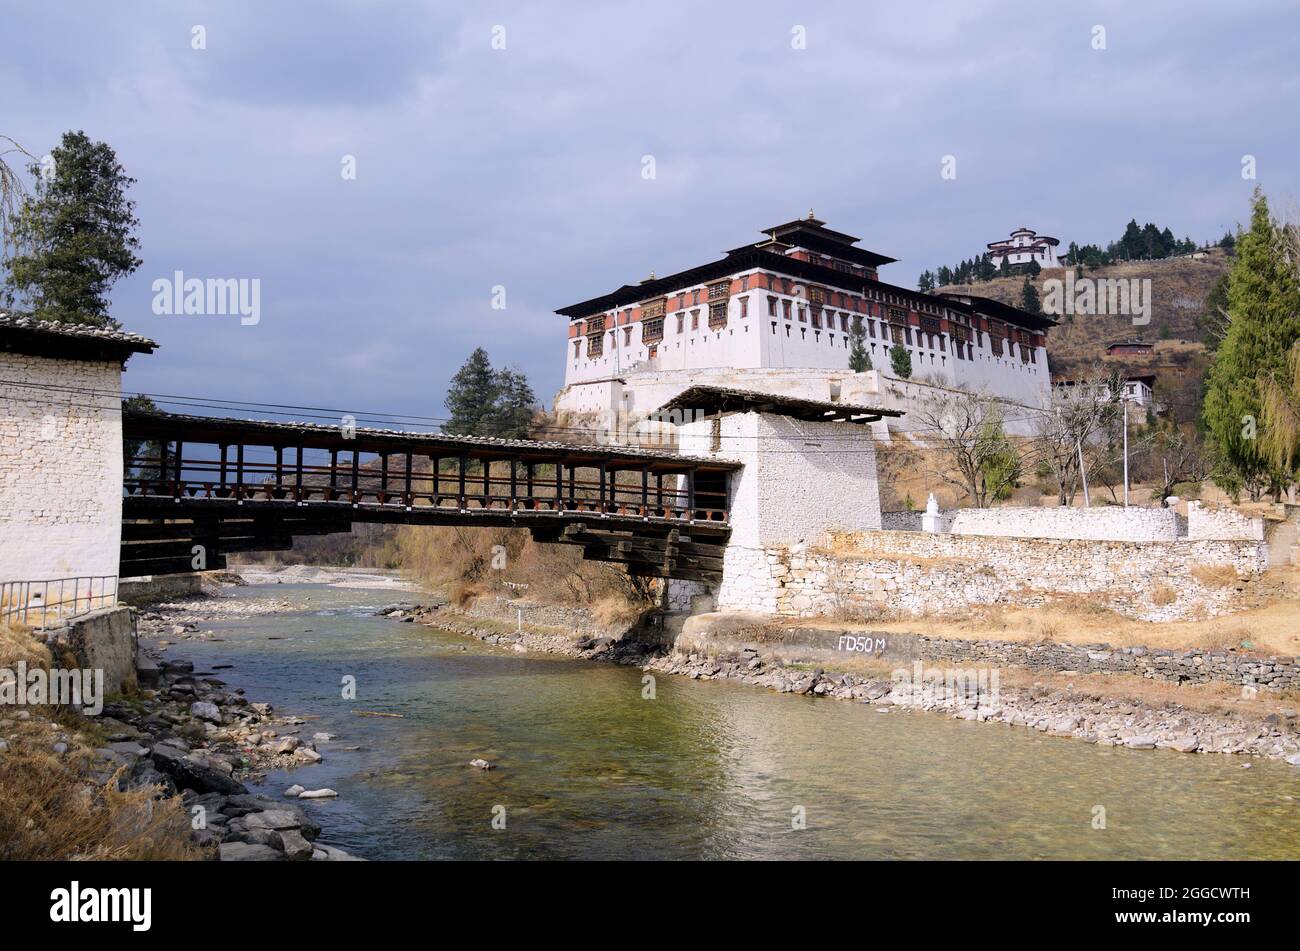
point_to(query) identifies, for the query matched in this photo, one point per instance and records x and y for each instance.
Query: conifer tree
(1263, 324)
(900, 361)
(1029, 298)
(859, 359)
(75, 235)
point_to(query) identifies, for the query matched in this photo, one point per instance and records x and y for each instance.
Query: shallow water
(587, 768)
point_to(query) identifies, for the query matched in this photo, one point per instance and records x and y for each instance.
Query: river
(585, 767)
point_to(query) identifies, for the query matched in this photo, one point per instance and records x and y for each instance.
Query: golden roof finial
(811, 216)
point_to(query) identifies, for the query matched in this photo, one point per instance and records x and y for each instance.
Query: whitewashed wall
(60, 468)
(1222, 523)
(801, 481)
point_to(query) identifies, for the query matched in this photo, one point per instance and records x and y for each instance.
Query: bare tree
(1175, 455)
(1071, 426)
(966, 430)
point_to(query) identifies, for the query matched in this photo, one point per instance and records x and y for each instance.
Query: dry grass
(1163, 594)
(1271, 629)
(1217, 576)
(467, 563)
(17, 644)
(49, 809)
(1204, 698)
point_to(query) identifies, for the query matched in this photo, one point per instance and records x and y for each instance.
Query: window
(596, 324)
(595, 345)
(785, 306)
(695, 319)
(744, 307)
(652, 330)
(771, 307)
(719, 290)
(627, 336)
(717, 314)
(681, 321)
(577, 349)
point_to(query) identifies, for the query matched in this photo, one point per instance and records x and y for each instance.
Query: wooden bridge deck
(234, 485)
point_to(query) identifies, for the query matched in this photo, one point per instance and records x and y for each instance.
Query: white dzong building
(775, 316)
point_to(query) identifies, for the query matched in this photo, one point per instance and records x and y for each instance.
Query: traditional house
(1023, 247)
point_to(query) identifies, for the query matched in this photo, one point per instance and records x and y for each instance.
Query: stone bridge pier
(809, 468)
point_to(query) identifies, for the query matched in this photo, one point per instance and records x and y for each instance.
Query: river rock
(480, 764)
(288, 744)
(328, 853)
(293, 791)
(318, 794)
(205, 710)
(272, 819)
(1185, 744)
(247, 852)
(188, 774)
(1294, 760)
(1141, 742)
(296, 848)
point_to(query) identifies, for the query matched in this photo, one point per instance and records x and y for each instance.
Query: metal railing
(39, 604)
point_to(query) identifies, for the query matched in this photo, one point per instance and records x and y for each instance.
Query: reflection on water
(586, 768)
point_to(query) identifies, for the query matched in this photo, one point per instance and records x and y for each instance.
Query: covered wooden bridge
(198, 488)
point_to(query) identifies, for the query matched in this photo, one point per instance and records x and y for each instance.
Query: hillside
(1179, 288)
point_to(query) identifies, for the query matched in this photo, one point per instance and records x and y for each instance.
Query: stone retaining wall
(923, 573)
(721, 635)
(101, 640)
(1178, 666)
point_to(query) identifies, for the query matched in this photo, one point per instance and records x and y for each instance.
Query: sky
(559, 150)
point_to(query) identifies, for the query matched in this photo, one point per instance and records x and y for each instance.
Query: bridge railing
(408, 480)
(39, 604)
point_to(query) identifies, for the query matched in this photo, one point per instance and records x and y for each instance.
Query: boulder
(188, 774)
(247, 852)
(296, 848)
(271, 819)
(318, 794)
(205, 710)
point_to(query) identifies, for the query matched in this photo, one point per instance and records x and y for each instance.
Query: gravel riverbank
(188, 733)
(1106, 717)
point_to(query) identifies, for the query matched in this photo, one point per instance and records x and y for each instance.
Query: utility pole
(1083, 474)
(1126, 453)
